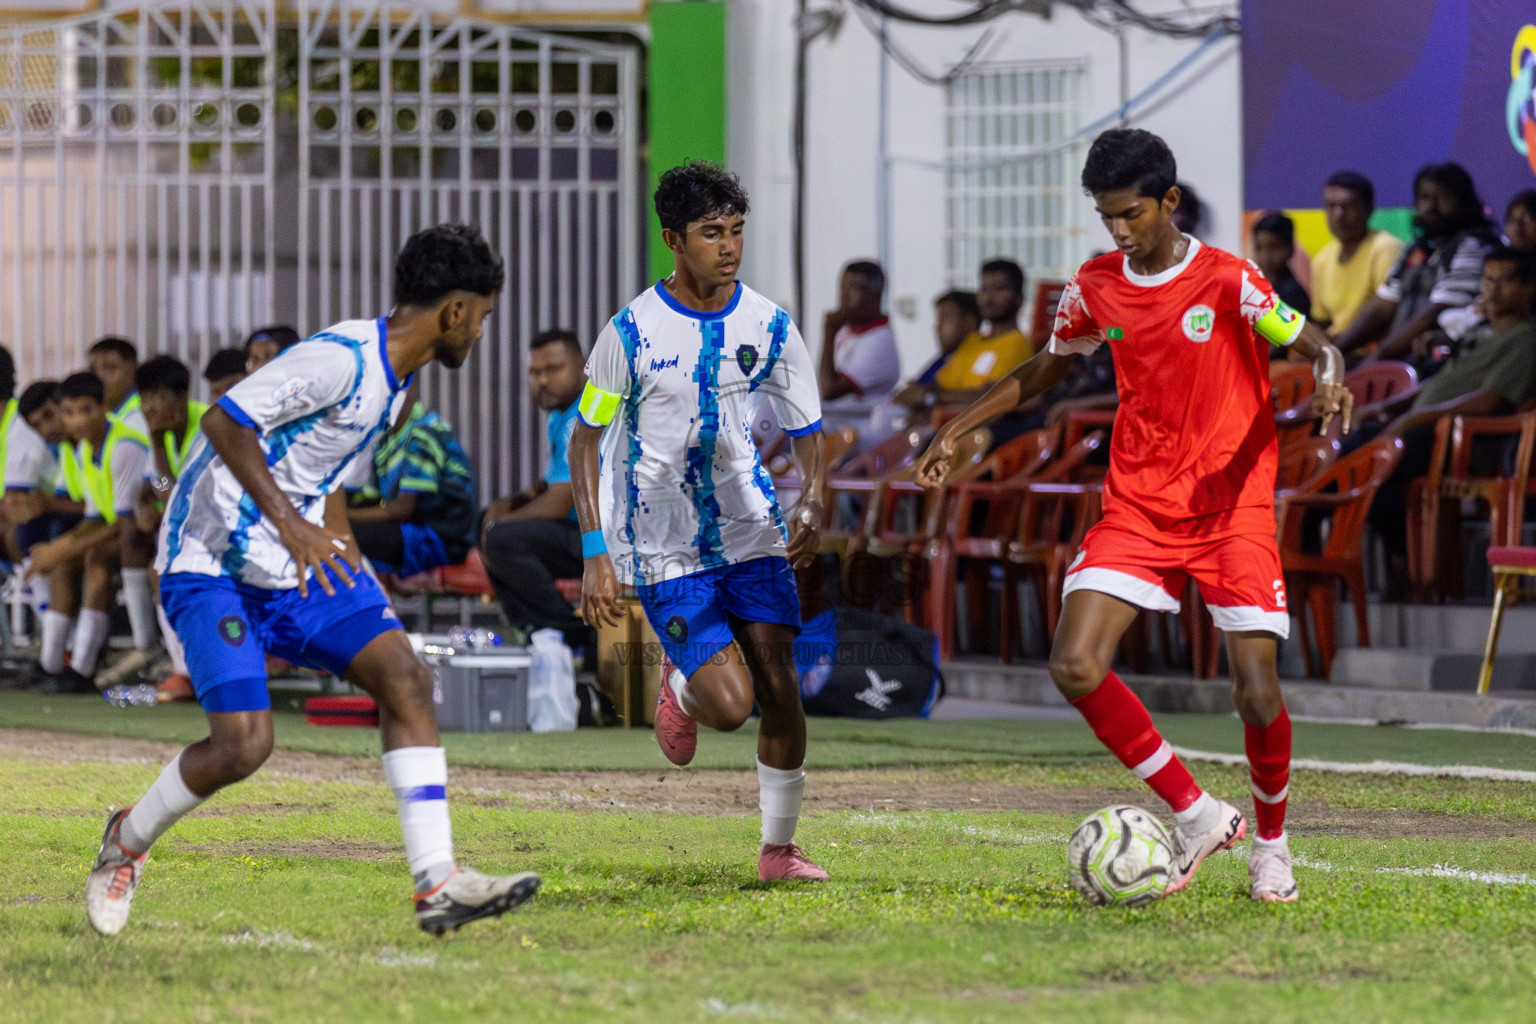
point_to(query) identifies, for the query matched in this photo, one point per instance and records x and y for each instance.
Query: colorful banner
(1384, 88)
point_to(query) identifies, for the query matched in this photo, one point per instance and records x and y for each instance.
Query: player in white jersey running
(256, 558)
(685, 510)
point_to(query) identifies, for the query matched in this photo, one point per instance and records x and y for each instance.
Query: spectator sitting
(858, 348)
(225, 369)
(532, 539)
(991, 354)
(114, 360)
(1274, 243)
(955, 318)
(1520, 221)
(106, 471)
(265, 343)
(1439, 271)
(1491, 371)
(418, 512)
(1352, 266)
(175, 424)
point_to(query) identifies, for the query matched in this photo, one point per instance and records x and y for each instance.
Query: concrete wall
(1200, 118)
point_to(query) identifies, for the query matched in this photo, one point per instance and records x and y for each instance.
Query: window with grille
(1012, 167)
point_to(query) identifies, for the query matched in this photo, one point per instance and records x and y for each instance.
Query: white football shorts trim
(1245, 618)
(1122, 585)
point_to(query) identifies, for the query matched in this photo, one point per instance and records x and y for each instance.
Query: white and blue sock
(418, 776)
(167, 802)
(779, 793)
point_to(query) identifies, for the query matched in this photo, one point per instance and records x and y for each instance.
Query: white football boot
(1269, 866)
(110, 885)
(1192, 845)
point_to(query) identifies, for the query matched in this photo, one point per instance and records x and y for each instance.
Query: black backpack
(877, 667)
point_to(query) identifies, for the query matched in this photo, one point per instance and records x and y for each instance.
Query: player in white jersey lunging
(256, 558)
(685, 510)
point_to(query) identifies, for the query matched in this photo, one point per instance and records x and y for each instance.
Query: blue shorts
(693, 615)
(423, 550)
(229, 628)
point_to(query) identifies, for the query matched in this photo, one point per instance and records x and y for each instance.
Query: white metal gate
(184, 171)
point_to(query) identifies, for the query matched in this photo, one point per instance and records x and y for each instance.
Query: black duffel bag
(855, 663)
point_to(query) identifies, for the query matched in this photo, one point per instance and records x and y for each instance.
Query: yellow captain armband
(1280, 326)
(597, 407)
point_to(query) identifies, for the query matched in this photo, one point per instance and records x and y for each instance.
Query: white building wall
(1200, 116)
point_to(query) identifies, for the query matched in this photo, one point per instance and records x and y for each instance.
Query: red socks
(1122, 724)
(1269, 771)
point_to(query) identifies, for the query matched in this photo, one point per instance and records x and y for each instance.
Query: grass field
(284, 899)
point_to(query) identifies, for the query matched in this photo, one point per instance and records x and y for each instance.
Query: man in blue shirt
(530, 540)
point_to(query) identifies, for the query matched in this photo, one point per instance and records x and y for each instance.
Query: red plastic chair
(1314, 578)
(1508, 563)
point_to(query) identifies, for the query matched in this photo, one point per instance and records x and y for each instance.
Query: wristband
(592, 544)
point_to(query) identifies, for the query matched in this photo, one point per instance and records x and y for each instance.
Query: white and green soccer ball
(1120, 856)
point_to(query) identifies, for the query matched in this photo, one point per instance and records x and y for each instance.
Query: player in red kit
(1190, 490)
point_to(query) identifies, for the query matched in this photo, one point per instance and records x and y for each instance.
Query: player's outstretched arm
(810, 453)
(599, 584)
(1035, 376)
(1330, 398)
(313, 548)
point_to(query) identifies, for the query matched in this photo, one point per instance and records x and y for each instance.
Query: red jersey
(1193, 451)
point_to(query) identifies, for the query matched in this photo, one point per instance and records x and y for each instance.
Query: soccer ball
(1120, 857)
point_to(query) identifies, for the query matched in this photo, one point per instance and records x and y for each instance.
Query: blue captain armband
(1281, 325)
(596, 406)
(592, 544)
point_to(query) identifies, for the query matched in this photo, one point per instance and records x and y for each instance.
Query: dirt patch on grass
(939, 788)
(327, 848)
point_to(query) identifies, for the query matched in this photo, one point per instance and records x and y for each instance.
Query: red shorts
(1239, 576)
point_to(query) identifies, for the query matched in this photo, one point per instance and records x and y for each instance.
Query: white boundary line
(1455, 771)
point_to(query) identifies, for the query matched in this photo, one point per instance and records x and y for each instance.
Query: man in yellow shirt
(992, 353)
(1347, 271)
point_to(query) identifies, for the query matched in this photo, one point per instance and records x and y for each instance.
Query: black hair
(84, 384)
(1456, 180)
(121, 347)
(37, 394)
(282, 335)
(7, 374)
(163, 373)
(1357, 183)
(870, 271)
(695, 190)
(1129, 158)
(963, 300)
(1189, 215)
(1524, 262)
(441, 260)
(1525, 199)
(226, 362)
(1009, 269)
(561, 336)
(1273, 222)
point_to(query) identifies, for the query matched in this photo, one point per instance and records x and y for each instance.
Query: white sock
(779, 792)
(40, 590)
(166, 803)
(90, 638)
(418, 776)
(55, 635)
(1201, 814)
(172, 642)
(140, 600)
(678, 682)
(1279, 840)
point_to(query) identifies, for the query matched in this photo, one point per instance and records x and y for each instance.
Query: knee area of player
(1076, 674)
(240, 752)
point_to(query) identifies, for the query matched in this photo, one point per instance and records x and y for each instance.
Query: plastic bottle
(139, 695)
(476, 639)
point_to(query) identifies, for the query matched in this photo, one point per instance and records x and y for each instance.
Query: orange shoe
(676, 732)
(174, 688)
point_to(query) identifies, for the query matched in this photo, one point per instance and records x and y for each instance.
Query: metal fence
(184, 171)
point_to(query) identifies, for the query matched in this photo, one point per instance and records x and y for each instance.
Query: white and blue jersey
(683, 489)
(319, 408)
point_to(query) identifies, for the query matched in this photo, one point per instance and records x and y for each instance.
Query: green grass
(282, 900)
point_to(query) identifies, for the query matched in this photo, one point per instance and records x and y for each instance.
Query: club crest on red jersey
(1199, 322)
